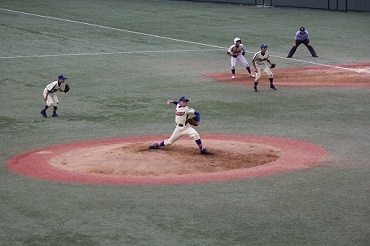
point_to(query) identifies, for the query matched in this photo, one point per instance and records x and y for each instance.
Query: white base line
(106, 53)
(139, 33)
(319, 64)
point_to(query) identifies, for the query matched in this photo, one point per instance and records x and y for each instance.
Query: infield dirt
(354, 74)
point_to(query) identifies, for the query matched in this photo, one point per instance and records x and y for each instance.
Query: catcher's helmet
(237, 39)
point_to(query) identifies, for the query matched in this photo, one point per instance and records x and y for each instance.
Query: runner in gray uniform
(182, 126)
(302, 37)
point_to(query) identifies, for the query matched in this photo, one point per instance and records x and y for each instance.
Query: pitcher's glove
(273, 65)
(193, 121)
(66, 88)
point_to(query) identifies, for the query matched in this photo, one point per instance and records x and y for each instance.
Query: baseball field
(289, 167)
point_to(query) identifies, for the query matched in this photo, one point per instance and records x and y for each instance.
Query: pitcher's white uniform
(182, 127)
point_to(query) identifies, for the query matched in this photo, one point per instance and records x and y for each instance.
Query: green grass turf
(123, 60)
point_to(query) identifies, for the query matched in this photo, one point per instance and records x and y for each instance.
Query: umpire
(302, 37)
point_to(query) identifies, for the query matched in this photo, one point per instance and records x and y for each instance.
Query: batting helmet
(237, 39)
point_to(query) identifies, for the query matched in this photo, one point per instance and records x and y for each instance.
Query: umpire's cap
(183, 99)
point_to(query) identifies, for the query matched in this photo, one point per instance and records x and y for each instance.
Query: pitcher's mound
(127, 160)
(181, 158)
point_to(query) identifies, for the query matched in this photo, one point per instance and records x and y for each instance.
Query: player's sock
(199, 142)
(161, 144)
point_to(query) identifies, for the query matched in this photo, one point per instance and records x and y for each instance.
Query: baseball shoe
(43, 112)
(255, 89)
(233, 77)
(154, 146)
(252, 75)
(54, 115)
(205, 152)
(273, 87)
(315, 56)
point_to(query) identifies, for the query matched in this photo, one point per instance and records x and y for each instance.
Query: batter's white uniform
(260, 60)
(52, 98)
(237, 51)
(182, 127)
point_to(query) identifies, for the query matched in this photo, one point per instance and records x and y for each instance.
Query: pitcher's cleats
(205, 152)
(154, 146)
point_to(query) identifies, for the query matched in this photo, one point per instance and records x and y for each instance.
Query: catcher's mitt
(273, 65)
(193, 121)
(66, 88)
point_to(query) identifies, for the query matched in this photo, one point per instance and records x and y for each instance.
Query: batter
(261, 62)
(237, 52)
(182, 126)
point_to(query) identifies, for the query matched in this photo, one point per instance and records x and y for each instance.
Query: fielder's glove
(243, 53)
(193, 121)
(273, 65)
(66, 88)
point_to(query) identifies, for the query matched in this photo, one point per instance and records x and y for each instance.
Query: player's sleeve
(51, 86)
(230, 49)
(255, 57)
(308, 35)
(197, 115)
(296, 35)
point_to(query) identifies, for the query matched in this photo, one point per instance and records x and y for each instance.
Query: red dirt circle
(127, 160)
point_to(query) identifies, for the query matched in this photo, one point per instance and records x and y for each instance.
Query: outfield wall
(341, 5)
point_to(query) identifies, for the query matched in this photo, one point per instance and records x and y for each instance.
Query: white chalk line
(144, 34)
(105, 53)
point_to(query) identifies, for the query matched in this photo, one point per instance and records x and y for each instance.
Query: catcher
(261, 62)
(184, 125)
(50, 96)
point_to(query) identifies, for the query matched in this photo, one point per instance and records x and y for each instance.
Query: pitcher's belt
(181, 125)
